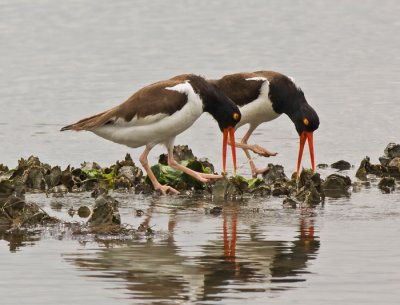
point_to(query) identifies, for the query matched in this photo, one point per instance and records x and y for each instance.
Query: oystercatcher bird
(157, 113)
(263, 96)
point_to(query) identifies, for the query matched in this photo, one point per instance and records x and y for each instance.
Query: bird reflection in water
(238, 259)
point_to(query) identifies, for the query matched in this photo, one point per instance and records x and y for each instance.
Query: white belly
(154, 129)
(259, 110)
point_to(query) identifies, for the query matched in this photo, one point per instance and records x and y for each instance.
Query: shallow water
(62, 61)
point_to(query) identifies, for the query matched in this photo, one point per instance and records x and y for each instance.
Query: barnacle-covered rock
(16, 211)
(33, 178)
(181, 153)
(367, 168)
(387, 184)
(122, 183)
(274, 173)
(227, 189)
(336, 186)
(129, 170)
(341, 165)
(309, 188)
(392, 150)
(105, 211)
(280, 188)
(53, 177)
(6, 189)
(290, 203)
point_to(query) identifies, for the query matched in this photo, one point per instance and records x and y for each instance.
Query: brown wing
(238, 89)
(150, 100)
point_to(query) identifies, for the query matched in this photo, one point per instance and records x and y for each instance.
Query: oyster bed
(18, 215)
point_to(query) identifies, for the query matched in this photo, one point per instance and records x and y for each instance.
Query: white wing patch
(258, 78)
(184, 87)
(294, 82)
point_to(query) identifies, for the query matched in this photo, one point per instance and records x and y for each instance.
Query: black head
(224, 111)
(288, 98)
(305, 119)
(215, 102)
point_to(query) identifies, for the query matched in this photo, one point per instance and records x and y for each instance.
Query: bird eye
(306, 122)
(236, 116)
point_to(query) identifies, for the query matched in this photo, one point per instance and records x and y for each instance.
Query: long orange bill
(232, 140)
(224, 144)
(305, 135)
(230, 131)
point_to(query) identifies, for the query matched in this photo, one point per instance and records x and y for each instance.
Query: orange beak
(230, 131)
(305, 135)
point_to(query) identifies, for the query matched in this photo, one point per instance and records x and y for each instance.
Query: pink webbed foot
(166, 189)
(257, 149)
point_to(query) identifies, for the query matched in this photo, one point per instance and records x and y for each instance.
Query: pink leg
(157, 186)
(199, 176)
(256, 149)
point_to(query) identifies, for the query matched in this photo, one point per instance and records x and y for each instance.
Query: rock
(262, 190)
(392, 150)
(366, 168)
(312, 196)
(122, 183)
(310, 188)
(207, 165)
(33, 178)
(357, 186)
(393, 167)
(341, 165)
(53, 177)
(56, 206)
(362, 169)
(317, 182)
(85, 166)
(181, 152)
(3, 168)
(71, 211)
(23, 165)
(226, 189)
(384, 161)
(274, 173)
(66, 178)
(99, 191)
(105, 212)
(79, 177)
(322, 165)
(59, 189)
(395, 162)
(216, 210)
(290, 203)
(17, 212)
(128, 169)
(129, 172)
(84, 212)
(280, 188)
(144, 188)
(387, 184)
(6, 188)
(139, 213)
(304, 177)
(336, 186)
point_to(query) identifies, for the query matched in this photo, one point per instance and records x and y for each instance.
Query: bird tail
(91, 122)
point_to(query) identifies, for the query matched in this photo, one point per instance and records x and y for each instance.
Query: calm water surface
(61, 61)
